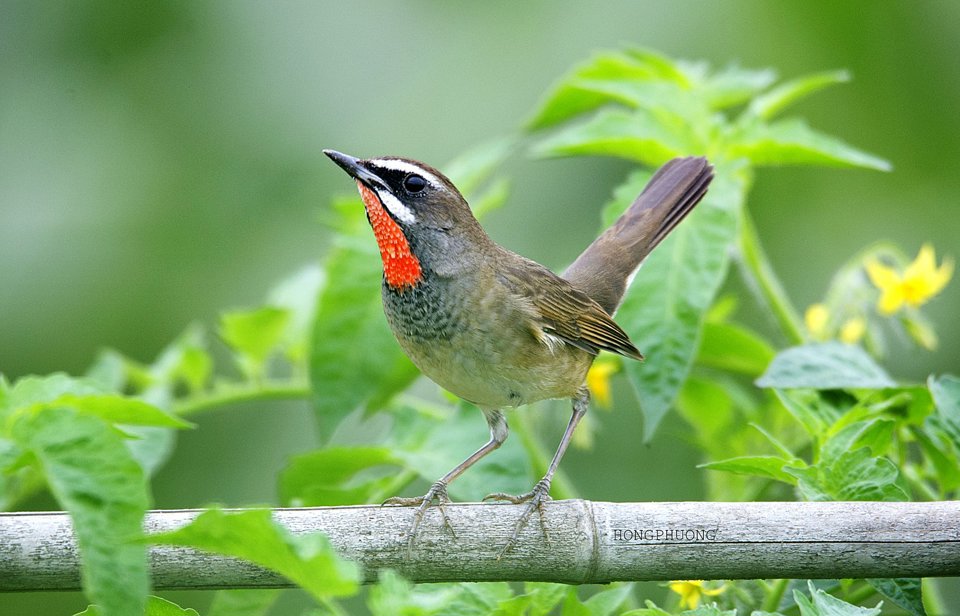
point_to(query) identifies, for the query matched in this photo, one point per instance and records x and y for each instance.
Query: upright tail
(605, 268)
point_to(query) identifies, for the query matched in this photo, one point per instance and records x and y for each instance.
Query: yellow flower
(853, 330)
(598, 380)
(920, 281)
(816, 318)
(691, 591)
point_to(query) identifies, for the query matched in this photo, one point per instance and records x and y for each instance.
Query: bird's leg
(540, 493)
(438, 491)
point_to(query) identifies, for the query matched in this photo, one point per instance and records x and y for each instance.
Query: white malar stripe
(405, 167)
(398, 209)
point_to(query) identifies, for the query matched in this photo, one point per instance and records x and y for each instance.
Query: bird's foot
(438, 493)
(535, 500)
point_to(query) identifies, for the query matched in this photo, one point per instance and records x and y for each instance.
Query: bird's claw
(438, 493)
(535, 500)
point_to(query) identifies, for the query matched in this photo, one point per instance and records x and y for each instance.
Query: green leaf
(760, 466)
(471, 169)
(905, 592)
(324, 477)
(732, 347)
(851, 476)
(184, 360)
(156, 606)
(58, 390)
(876, 434)
(828, 365)
(941, 455)
(946, 396)
(297, 294)
(809, 408)
(92, 475)
(773, 102)
(792, 142)
(448, 439)
(568, 99)
(395, 596)
(734, 85)
(637, 135)
(355, 359)
(606, 602)
(822, 604)
(664, 308)
(253, 335)
(243, 602)
(308, 561)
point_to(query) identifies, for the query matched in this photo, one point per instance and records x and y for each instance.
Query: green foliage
(308, 561)
(829, 365)
(791, 413)
(156, 606)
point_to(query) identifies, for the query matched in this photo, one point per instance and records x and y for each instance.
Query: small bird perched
(491, 326)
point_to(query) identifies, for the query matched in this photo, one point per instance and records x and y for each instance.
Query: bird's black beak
(356, 168)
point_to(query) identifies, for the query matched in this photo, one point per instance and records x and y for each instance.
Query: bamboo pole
(589, 542)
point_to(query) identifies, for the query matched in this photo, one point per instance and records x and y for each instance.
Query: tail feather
(604, 269)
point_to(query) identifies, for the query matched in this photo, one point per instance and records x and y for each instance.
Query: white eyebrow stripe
(398, 209)
(404, 166)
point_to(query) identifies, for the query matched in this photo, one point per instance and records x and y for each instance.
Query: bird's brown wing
(565, 312)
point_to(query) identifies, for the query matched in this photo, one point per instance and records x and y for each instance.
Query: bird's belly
(481, 350)
(491, 376)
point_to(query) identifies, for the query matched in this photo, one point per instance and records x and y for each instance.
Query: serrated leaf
(323, 477)
(709, 610)
(568, 100)
(93, 477)
(308, 561)
(809, 408)
(254, 335)
(946, 396)
(297, 294)
(447, 440)
(735, 85)
(822, 604)
(875, 434)
(394, 595)
(760, 466)
(156, 606)
(664, 308)
(851, 476)
(793, 142)
(732, 347)
(668, 101)
(354, 359)
(606, 602)
(828, 365)
(58, 390)
(905, 592)
(941, 455)
(243, 602)
(773, 102)
(636, 135)
(185, 360)
(471, 169)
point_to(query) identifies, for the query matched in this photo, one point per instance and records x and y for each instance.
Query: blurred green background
(160, 163)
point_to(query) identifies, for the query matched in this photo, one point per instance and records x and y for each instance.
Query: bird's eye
(413, 183)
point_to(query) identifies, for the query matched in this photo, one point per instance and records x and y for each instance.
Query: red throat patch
(401, 268)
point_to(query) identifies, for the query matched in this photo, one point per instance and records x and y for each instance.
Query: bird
(493, 327)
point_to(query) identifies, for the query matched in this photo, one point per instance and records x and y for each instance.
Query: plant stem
(561, 488)
(772, 601)
(229, 394)
(761, 274)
